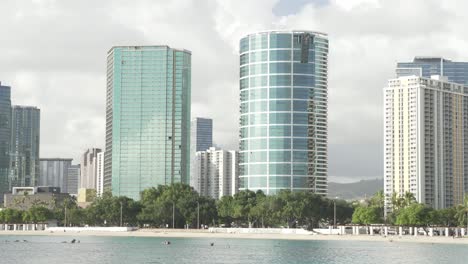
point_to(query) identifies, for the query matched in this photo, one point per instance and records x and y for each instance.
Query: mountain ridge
(354, 190)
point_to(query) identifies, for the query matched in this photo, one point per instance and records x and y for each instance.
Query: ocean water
(44, 249)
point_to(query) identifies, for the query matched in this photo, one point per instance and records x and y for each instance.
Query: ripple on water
(117, 250)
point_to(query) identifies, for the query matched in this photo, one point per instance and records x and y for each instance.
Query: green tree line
(405, 211)
(180, 206)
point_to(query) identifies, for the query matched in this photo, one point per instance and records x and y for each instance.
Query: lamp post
(65, 214)
(173, 215)
(198, 214)
(121, 213)
(466, 222)
(334, 214)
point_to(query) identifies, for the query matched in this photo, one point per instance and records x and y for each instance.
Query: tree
(105, 210)
(366, 215)
(414, 215)
(378, 200)
(208, 210)
(462, 212)
(60, 207)
(159, 204)
(12, 216)
(37, 214)
(261, 210)
(225, 207)
(150, 213)
(243, 203)
(76, 216)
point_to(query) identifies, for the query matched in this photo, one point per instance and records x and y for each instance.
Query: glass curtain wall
(283, 123)
(148, 115)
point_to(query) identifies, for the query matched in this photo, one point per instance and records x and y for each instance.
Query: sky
(53, 55)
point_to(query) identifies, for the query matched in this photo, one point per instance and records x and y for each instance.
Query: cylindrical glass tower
(283, 123)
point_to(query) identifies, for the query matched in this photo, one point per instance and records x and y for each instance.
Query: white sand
(180, 233)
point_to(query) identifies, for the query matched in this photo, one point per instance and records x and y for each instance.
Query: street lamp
(198, 214)
(65, 214)
(334, 212)
(173, 215)
(121, 213)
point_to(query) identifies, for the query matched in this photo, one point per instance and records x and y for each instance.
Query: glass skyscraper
(283, 123)
(148, 118)
(201, 134)
(201, 139)
(5, 131)
(456, 72)
(24, 149)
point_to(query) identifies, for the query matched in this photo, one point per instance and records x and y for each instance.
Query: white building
(100, 174)
(216, 173)
(88, 177)
(425, 131)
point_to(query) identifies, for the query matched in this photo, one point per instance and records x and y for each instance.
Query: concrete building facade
(73, 179)
(23, 198)
(54, 172)
(216, 173)
(89, 169)
(201, 139)
(425, 134)
(100, 174)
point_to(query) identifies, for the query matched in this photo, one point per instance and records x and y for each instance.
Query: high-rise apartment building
(73, 179)
(456, 72)
(148, 118)
(425, 137)
(201, 139)
(5, 139)
(24, 148)
(216, 173)
(89, 169)
(100, 174)
(283, 123)
(54, 173)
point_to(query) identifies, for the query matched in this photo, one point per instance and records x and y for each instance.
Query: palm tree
(462, 212)
(408, 199)
(397, 202)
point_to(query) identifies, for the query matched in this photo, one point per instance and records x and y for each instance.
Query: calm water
(43, 249)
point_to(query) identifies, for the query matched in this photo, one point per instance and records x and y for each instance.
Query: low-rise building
(23, 198)
(86, 197)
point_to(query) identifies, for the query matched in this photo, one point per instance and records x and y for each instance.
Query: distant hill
(354, 190)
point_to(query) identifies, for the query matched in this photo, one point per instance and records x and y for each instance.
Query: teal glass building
(283, 122)
(455, 71)
(24, 146)
(5, 131)
(147, 118)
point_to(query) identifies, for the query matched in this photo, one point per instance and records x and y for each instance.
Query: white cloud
(54, 52)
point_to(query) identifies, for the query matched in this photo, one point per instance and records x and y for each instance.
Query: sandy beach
(180, 233)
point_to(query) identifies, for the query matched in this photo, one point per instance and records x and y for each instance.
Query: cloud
(54, 56)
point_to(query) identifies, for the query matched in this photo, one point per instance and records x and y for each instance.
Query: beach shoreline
(181, 233)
